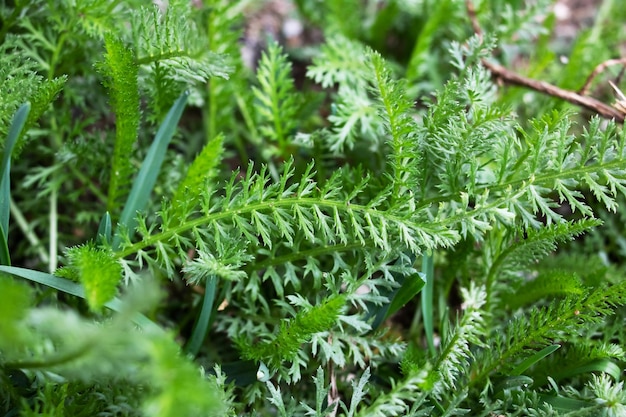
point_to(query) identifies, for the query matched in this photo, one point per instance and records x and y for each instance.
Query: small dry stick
(471, 12)
(598, 70)
(621, 102)
(511, 77)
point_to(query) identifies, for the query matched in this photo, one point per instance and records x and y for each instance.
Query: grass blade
(104, 229)
(604, 365)
(411, 286)
(568, 404)
(200, 329)
(528, 362)
(440, 12)
(5, 181)
(427, 301)
(512, 382)
(150, 168)
(5, 257)
(74, 288)
(47, 279)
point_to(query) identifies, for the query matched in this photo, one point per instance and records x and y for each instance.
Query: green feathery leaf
(400, 126)
(294, 332)
(203, 168)
(98, 271)
(121, 72)
(277, 98)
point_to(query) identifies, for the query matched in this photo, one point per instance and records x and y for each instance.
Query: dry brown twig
(507, 76)
(600, 68)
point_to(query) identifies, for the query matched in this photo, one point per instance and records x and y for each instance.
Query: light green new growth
(278, 101)
(293, 333)
(291, 273)
(19, 83)
(203, 168)
(401, 128)
(164, 42)
(122, 69)
(99, 272)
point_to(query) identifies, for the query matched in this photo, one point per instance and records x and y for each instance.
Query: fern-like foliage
(265, 212)
(340, 61)
(354, 117)
(123, 84)
(98, 271)
(95, 18)
(202, 169)
(517, 178)
(166, 43)
(467, 172)
(295, 332)
(278, 101)
(222, 23)
(400, 126)
(295, 268)
(518, 251)
(21, 83)
(553, 322)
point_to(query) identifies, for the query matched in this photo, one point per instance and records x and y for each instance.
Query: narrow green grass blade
(599, 365)
(567, 404)
(512, 382)
(5, 257)
(105, 229)
(75, 289)
(44, 278)
(150, 168)
(137, 318)
(202, 325)
(5, 204)
(530, 361)
(439, 14)
(411, 286)
(427, 301)
(5, 181)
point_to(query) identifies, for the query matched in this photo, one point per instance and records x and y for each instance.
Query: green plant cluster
(389, 233)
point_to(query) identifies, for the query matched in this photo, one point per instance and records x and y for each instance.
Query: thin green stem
(495, 267)
(428, 302)
(259, 206)
(210, 113)
(89, 183)
(55, 360)
(56, 54)
(28, 231)
(53, 217)
(248, 119)
(54, 231)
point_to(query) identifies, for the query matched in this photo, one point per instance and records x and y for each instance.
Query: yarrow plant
(370, 240)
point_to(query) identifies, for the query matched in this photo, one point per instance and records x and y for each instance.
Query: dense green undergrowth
(370, 226)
